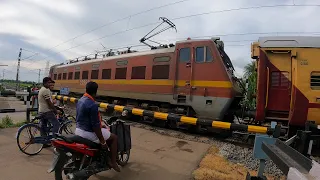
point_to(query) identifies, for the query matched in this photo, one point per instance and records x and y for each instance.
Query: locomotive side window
(77, 75)
(64, 76)
(70, 75)
(138, 72)
(94, 74)
(203, 54)
(121, 73)
(59, 76)
(184, 55)
(315, 80)
(160, 71)
(85, 74)
(55, 76)
(106, 74)
(280, 79)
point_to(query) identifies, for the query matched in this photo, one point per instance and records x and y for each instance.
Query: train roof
(290, 41)
(122, 56)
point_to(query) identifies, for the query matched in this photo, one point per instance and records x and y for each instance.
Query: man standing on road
(89, 124)
(46, 107)
(34, 103)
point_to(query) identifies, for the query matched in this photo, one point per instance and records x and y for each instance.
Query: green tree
(250, 75)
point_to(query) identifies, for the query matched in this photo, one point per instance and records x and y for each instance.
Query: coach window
(138, 72)
(121, 73)
(59, 76)
(64, 76)
(160, 71)
(184, 55)
(70, 75)
(315, 80)
(84, 74)
(55, 76)
(203, 54)
(94, 74)
(77, 75)
(106, 74)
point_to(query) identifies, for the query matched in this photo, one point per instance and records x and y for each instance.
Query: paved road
(14, 103)
(153, 156)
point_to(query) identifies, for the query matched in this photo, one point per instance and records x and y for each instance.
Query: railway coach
(193, 78)
(288, 83)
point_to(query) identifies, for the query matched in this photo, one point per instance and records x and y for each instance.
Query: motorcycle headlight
(125, 113)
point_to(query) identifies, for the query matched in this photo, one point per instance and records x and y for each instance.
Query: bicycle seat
(81, 140)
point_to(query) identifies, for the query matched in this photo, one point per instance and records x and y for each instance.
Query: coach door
(183, 78)
(279, 91)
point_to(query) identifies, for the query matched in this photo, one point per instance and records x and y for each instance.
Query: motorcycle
(78, 158)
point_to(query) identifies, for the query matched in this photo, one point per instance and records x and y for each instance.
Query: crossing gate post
(28, 104)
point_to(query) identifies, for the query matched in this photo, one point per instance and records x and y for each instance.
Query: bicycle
(44, 136)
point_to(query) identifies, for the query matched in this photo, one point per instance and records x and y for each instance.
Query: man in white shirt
(46, 107)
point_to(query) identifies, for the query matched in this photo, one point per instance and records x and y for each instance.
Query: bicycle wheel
(33, 131)
(67, 128)
(71, 118)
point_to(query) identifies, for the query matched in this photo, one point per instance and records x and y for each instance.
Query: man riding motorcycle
(89, 126)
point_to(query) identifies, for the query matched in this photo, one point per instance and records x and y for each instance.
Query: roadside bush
(6, 122)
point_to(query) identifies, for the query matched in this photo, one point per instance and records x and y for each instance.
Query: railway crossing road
(153, 156)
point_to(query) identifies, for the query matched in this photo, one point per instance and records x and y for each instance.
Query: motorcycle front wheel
(63, 168)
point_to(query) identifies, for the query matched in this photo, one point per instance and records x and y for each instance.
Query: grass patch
(33, 113)
(214, 166)
(6, 122)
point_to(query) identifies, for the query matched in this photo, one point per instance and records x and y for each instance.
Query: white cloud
(38, 25)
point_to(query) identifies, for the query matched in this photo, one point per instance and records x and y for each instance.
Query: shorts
(92, 135)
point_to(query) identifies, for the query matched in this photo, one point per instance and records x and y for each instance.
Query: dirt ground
(153, 156)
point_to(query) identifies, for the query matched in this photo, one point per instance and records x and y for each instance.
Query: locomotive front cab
(204, 79)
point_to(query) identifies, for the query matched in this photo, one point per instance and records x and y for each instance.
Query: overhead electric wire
(109, 23)
(28, 50)
(189, 16)
(206, 36)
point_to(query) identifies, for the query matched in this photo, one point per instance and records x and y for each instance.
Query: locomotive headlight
(125, 113)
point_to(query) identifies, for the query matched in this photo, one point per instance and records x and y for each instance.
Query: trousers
(49, 116)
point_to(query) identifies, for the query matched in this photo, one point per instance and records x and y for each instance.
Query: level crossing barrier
(176, 118)
(157, 115)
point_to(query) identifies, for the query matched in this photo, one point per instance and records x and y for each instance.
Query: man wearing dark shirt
(89, 124)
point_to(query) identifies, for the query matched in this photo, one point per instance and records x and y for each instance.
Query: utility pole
(46, 72)
(18, 68)
(39, 75)
(3, 71)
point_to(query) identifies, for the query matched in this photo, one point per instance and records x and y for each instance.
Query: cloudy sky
(57, 30)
